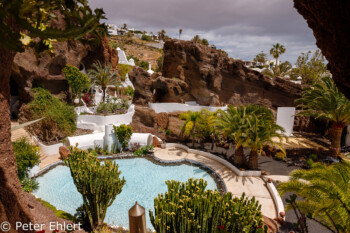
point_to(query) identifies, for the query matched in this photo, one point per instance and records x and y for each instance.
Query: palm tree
(161, 34)
(196, 39)
(232, 124)
(276, 51)
(325, 101)
(102, 75)
(261, 58)
(191, 121)
(282, 70)
(324, 194)
(250, 126)
(262, 130)
(180, 32)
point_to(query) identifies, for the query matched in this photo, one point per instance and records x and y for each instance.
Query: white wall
(347, 140)
(48, 150)
(174, 107)
(97, 122)
(285, 119)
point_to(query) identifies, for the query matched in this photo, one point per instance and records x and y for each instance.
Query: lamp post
(137, 219)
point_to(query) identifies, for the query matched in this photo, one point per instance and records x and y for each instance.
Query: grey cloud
(242, 27)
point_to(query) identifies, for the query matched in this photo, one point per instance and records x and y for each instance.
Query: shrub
(146, 37)
(112, 108)
(123, 134)
(124, 70)
(29, 185)
(134, 146)
(188, 207)
(143, 150)
(143, 64)
(78, 82)
(59, 118)
(128, 91)
(280, 155)
(26, 156)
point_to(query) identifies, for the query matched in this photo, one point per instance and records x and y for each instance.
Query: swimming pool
(144, 180)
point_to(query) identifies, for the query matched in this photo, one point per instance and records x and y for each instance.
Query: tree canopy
(38, 23)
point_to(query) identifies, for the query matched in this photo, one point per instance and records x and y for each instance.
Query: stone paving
(252, 186)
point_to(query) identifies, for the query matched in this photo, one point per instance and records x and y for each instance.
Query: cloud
(241, 27)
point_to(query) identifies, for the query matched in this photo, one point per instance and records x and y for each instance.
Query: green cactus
(97, 182)
(190, 208)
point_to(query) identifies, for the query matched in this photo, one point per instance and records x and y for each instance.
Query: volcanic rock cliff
(29, 71)
(330, 22)
(194, 72)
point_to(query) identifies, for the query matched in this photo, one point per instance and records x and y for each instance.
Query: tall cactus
(97, 182)
(190, 208)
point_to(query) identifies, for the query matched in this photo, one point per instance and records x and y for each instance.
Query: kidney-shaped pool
(144, 180)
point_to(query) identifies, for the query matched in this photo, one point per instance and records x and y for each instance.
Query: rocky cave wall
(28, 71)
(330, 22)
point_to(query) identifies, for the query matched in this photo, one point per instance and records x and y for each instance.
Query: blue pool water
(144, 180)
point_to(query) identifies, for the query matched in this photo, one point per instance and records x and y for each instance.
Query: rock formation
(29, 71)
(194, 72)
(330, 22)
(165, 126)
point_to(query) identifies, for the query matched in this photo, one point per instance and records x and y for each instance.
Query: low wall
(90, 140)
(216, 158)
(98, 122)
(174, 107)
(276, 198)
(48, 150)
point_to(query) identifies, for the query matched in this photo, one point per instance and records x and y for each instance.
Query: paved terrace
(252, 186)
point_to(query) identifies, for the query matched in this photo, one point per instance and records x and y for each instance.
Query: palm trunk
(276, 63)
(239, 156)
(104, 93)
(253, 159)
(13, 204)
(337, 131)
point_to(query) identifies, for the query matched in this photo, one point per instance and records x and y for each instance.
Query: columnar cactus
(189, 208)
(97, 182)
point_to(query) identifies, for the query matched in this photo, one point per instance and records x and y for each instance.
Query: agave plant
(102, 75)
(324, 194)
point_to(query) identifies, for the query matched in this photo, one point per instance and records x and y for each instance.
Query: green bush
(128, 91)
(190, 208)
(143, 64)
(123, 134)
(143, 150)
(112, 108)
(59, 117)
(26, 156)
(29, 185)
(78, 82)
(124, 69)
(146, 37)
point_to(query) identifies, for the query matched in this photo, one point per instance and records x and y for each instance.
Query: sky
(243, 28)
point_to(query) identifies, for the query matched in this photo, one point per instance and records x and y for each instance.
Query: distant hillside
(148, 51)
